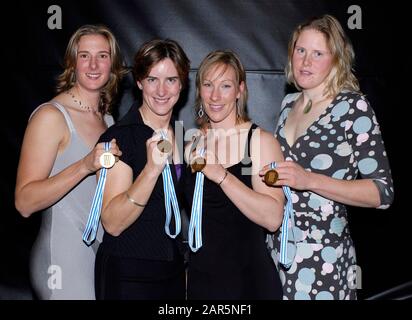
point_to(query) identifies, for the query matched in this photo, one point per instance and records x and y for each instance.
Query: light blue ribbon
(284, 259)
(170, 198)
(89, 234)
(195, 225)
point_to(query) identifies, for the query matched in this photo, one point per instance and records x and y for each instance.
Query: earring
(201, 112)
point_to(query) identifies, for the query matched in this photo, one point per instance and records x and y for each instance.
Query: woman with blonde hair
(58, 161)
(329, 136)
(238, 208)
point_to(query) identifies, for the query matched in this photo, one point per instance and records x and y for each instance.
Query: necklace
(308, 106)
(81, 105)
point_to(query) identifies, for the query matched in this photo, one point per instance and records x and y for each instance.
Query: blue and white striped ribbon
(284, 259)
(195, 225)
(170, 198)
(89, 234)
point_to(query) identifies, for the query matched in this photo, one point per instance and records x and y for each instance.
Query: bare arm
(118, 211)
(362, 192)
(35, 189)
(263, 205)
(374, 189)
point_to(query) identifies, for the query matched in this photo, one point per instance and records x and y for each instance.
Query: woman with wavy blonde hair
(335, 157)
(58, 161)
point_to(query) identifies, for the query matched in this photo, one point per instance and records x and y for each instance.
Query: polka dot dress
(344, 142)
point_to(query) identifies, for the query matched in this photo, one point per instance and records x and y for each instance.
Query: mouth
(305, 73)
(93, 76)
(161, 100)
(216, 107)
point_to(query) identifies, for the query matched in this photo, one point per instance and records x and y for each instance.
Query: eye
(104, 56)
(300, 50)
(172, 80)
(226, 86)
(83, 55)
(150, 79)
(317, 54)
(206, 84)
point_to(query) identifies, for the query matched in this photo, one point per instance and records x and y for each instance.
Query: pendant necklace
(308, 107)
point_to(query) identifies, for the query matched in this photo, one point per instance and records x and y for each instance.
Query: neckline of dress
(290, 105)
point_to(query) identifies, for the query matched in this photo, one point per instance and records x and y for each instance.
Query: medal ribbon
(195, 225)
(89, 234)
(284, 259)
(170, 198)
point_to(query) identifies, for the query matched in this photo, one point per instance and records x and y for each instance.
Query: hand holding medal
(106, 160)
(198, 164)
(165, 147)
(158, 150)
(271, 176)
(203, 159)
(195, 224)
(99, 157)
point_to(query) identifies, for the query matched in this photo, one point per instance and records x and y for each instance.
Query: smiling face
(93, 62)
(219, 92)
(311, 60)
(161, 88)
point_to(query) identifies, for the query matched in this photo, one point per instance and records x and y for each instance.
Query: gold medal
(271, 177)
(164, 146)
(107, 160)
(198, 164)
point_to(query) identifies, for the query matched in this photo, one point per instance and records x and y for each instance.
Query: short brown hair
(156, 50)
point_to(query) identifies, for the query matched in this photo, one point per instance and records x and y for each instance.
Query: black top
(233, 262)
(146, 237)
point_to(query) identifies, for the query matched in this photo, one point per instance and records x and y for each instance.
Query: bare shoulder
(49, 115)
(264, 138)
(49, 123)
(265, 148)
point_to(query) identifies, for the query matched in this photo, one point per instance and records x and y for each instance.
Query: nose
(161, 89)
(306, 60)
(93, 62)
(215, 94)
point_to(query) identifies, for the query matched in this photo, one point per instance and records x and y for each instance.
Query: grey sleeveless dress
(61, 264)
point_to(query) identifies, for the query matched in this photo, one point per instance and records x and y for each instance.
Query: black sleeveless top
(145, 238)
(233, 262)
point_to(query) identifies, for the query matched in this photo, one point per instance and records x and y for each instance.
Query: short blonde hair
(226, 58)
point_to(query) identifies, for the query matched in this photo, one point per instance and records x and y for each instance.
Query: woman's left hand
(290, 174)
(213, 170)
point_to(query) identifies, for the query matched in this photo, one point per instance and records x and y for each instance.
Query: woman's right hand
(156, 160)
(92, 160)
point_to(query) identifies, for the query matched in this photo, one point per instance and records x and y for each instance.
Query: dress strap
(249, 137)
(62, 110)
